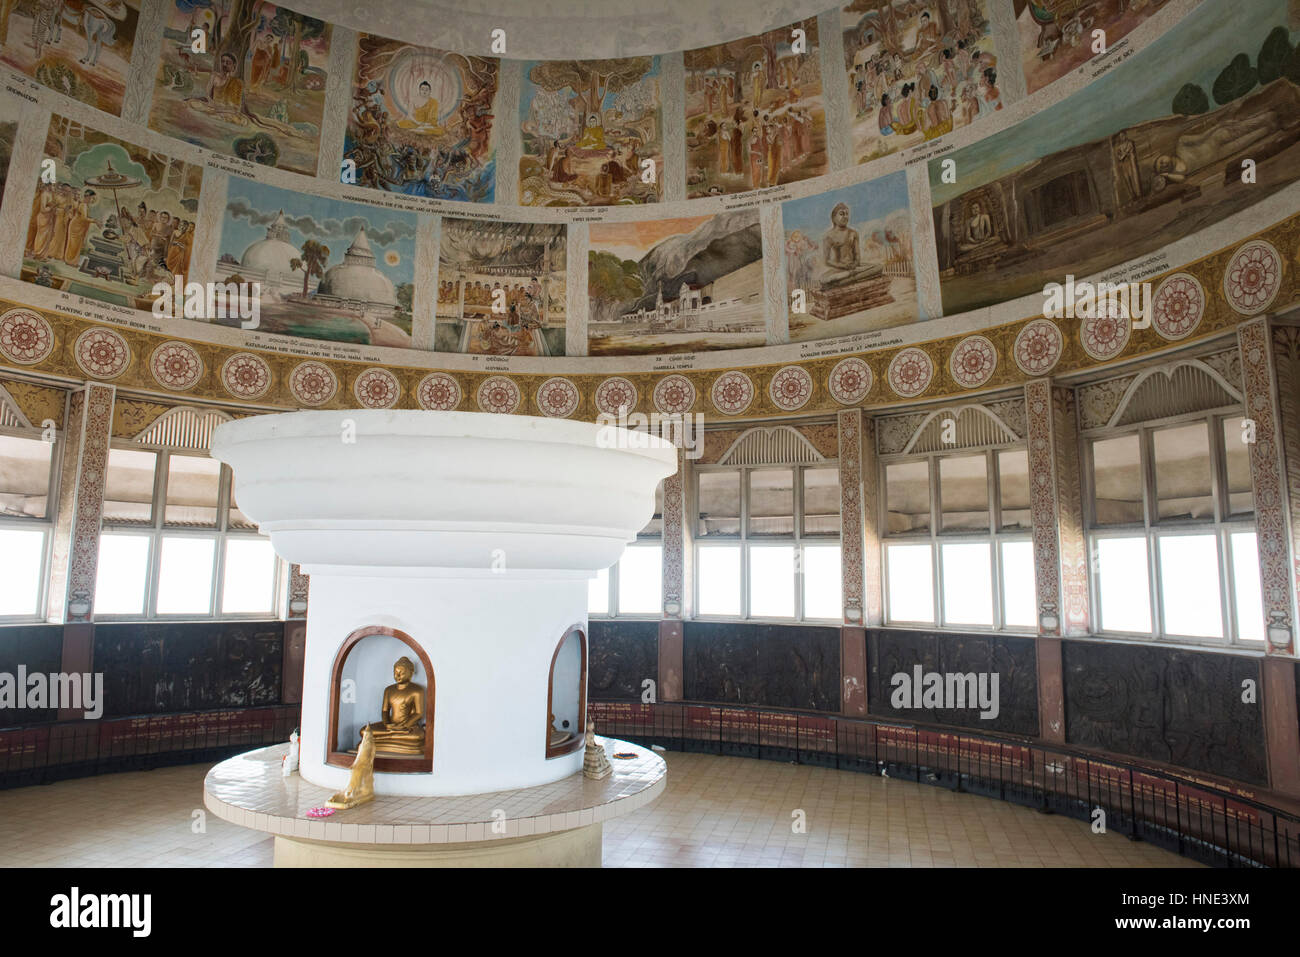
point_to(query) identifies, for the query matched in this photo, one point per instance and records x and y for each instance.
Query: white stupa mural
(356, 282)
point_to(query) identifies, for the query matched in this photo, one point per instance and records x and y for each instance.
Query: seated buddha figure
(979, 230)
(424, 118)
(841, 258)
(555, 736)
(593, 135)
(400, 731)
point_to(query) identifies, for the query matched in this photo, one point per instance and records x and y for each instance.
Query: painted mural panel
(1056, 36)
(421, 121)
(80, 48)
(116, 219)
(1149, 153)
(588, 127)
(501, 288)
(755, 116)
(676, 285)
(245, 78)
(850, 252)
(916, 71)
(329, 269)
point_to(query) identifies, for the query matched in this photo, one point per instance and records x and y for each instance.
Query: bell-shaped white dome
(357, 278)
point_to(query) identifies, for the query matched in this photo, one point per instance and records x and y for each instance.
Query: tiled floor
(724, 812)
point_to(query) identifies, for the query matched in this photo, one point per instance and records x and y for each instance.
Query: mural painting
(916, 71)
(1155, 150)
(754, 112)
(243, 77)
(80, 48)
(1057, 36)
(328, 269)
(421, 121)
(501, 288)
(115, 219)
(591, 133)
(850, 252)
(676, 285)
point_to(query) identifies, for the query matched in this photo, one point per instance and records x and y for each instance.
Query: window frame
(1152, 528)
(643, 540)
(798, 538)
(994, 536)
(46, 525)
(220, 533)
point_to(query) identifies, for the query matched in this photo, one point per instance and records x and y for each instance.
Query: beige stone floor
(716, 812)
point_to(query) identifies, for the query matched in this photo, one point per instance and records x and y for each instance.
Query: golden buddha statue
(400, 731)
(556, 737)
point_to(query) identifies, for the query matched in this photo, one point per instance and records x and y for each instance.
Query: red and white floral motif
(1253, 277)
(377, 389)
(499, 394)
(313, 383)
(615, 393)
(850, 381)
(1038, 347)
(791, 388)
(246, 376)
(438, 392)
(674, 394)
(25, 337)
(101, 353)
(1177, 306)
(176, 365)
(1105, 336)
(973, 361)
(732, 393)
(910, 372)
(558, 398)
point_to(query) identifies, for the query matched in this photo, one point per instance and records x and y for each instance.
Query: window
(27, 494)
(1171, 531)
(767, 542)
(175, 545)
(956, 545)
(634, 586)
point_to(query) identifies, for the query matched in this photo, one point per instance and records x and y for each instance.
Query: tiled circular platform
(250, 790)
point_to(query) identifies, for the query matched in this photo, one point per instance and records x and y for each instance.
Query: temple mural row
(764, 239)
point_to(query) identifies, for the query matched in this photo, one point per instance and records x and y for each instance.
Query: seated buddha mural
(401, 728)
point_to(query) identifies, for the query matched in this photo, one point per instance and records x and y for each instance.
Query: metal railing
(41, 754)
(1195, 819)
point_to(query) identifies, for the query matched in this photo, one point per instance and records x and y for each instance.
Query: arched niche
(566, 692)
(367, 658)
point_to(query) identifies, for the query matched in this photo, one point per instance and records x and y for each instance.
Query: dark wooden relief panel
(159, 667)
(1177, 707)
(621, 655)
(39, 649)
(1013, 659)
(772, 666)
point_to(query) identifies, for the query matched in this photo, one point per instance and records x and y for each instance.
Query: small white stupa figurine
(289, 763)
(595, 764)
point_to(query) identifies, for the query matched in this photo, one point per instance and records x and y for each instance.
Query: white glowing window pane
(771, 582)
(22, 557)
(249, 578)
(640, 581)
(1189, 585)
(719, 580)
(967, 584)
(185, 575)
(911, 583)
(823, 593)
(1246, 590)
(122, 575)
(598, 593)
(1122, 584)
(1018, 598)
